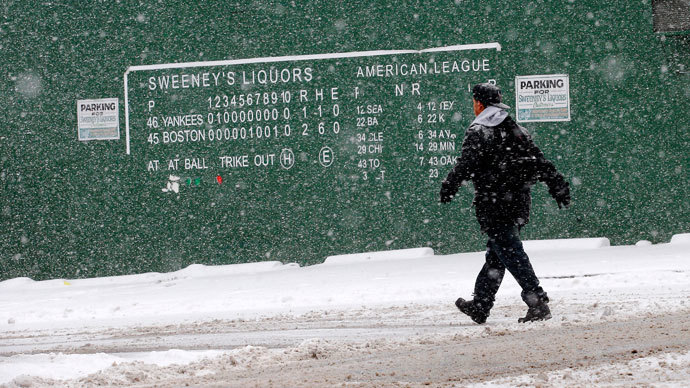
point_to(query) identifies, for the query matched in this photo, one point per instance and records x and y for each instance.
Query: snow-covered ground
(229, 325)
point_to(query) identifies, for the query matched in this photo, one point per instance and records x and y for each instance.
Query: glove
(447, 193)
(562, 196)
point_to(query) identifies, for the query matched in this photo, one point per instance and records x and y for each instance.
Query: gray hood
(491, 117)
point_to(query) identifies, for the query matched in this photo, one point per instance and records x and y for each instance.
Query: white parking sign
(98, 119)
(542, 98)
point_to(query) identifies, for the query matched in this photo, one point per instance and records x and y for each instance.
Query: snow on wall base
(232, 269)
(683, 238)
(399, 254)
(192, 271)
(566, 244)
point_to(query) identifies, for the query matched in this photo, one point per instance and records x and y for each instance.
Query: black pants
(504, 251)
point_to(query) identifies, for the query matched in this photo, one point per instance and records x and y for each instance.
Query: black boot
(472, 309)
(539, 312)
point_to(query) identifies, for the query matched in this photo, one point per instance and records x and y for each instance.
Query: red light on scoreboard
(219, 179)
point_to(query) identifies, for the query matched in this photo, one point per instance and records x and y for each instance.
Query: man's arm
(547, 173)
(465, 166)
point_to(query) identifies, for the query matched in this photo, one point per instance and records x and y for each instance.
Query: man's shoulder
(479, 131)
(517, 129)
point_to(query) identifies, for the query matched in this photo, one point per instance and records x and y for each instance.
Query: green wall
(82, 209)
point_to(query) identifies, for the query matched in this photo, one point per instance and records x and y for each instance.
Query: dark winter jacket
(503, 163)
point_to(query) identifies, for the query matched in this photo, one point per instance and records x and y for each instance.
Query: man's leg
(505, 242)
(489, 280)
(485, 288)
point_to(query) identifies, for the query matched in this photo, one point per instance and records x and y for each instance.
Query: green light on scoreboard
(194, 181)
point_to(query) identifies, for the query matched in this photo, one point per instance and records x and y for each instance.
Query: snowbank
(581, 272)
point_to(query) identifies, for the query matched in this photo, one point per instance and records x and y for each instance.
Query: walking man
(502, 161)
